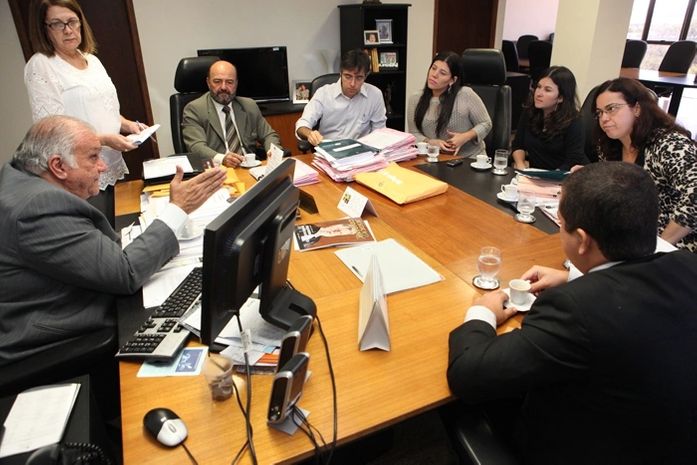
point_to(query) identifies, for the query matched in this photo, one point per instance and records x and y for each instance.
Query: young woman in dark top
(550, 132)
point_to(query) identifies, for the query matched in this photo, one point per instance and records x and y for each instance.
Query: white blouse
(56, 87)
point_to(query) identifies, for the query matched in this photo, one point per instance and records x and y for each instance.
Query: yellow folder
(402, 185)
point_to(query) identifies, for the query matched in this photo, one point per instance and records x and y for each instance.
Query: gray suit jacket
(61, 264)
(203, 134)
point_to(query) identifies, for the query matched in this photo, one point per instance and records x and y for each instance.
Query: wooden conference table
(375, 389)
(677, 81)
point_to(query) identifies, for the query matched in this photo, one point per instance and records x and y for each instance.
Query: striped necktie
(233, 142)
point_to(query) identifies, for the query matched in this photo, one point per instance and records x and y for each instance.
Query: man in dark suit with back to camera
(210, 123)
(61, 263)
(605, 363)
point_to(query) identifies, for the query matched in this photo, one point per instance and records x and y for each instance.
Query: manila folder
(402, 185)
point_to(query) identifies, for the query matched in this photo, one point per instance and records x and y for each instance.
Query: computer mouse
(165, 426)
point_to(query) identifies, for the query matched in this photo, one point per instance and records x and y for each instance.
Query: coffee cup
(249, 158)
(519, 290)
(483, 160)
(422, 148)
(510, 191)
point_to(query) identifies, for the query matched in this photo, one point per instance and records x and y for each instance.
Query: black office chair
(303, 145)
(540, 55)
(69, 359)
(485, 72)
(474, 441)
(523, 43)
(589, 121)
(190, 84)
(634, 51)
(551, 37)
(678, 57)
(510, 55)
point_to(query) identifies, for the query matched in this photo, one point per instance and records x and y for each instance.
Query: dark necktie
(233, 142)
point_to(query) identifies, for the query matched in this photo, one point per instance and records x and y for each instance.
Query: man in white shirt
(348, 109)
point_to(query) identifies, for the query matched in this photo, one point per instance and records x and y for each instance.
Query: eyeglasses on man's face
(58, 25)
(609, 110)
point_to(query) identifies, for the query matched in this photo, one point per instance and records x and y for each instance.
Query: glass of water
(526, 205)
(488, 265)
(500, 161)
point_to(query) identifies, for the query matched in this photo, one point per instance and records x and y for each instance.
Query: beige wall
(172, 29)
(15, 116)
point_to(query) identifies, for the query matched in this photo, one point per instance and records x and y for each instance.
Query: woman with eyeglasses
(446, 113)
(64, 77)
(633, 128)
(550, 131)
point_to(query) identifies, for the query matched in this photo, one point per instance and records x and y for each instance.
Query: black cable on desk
(246, 412)
(332, 446)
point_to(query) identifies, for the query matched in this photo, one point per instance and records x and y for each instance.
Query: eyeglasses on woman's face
(609, 110)
(58, 26)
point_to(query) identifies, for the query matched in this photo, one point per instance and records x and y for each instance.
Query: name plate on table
(354, 204)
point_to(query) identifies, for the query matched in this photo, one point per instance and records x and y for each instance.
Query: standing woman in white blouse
(63, 77)
(446, 113)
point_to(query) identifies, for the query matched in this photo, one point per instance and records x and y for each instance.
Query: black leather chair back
(679, 56)
(190, 84)
(510, 55)
(322, 80)
(540, 55)
(589, 121)
(485, 72)
(523, 43)
(634, 51)
(303, 145)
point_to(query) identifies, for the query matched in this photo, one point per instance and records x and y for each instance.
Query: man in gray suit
(210, 123)
(61, 263)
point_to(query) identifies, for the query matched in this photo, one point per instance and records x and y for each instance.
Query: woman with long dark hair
(550, 131)
(633, 128)
(446, 113)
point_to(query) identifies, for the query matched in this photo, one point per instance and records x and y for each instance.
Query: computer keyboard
(161, 336)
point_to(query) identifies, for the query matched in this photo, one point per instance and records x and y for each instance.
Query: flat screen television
(262, 72)
(249, 245)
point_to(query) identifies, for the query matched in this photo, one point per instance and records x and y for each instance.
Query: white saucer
(250, 165)
(521, 308)
(479, 167)
(500, 196)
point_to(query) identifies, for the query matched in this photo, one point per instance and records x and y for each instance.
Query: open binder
(373, 322)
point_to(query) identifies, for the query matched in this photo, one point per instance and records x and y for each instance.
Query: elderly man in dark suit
(605, 363)
(210, 124)
(61, 263)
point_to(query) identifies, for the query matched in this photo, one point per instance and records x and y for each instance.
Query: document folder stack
(393, 145)
(343, 159)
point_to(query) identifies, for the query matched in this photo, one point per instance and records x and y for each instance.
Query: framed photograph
(388, 60)
(370, 37)
(384, 27)
(301, 91)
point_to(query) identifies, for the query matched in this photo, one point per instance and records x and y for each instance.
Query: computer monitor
(262, 71)
(248, 245)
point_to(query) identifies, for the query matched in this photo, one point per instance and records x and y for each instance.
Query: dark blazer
(61, 264)
(203, 134)
(607, 365)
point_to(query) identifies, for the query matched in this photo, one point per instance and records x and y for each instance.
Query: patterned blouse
(671, 160)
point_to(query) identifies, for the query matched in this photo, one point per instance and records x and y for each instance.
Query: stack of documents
(393, 145)
(342, 159)
(304, 174)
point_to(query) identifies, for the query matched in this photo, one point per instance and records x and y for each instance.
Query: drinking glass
(488, 265)
(500, 162)
(526, 205)
(432, 152)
